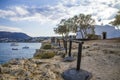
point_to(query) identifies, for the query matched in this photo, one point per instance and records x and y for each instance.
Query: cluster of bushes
(45, 55)
(93, 36)
(5, 65)
(45, 52)
(46, 46)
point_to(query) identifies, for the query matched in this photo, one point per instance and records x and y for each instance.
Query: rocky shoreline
(103, 63)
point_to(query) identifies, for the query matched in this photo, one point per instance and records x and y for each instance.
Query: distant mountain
(111, 31)
(13, 35)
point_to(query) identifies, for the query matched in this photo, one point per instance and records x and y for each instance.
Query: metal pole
(79, 56)
(70, 45)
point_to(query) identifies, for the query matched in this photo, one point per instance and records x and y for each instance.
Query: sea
(7, 53)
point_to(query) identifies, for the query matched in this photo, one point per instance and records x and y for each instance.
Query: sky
(39, 17)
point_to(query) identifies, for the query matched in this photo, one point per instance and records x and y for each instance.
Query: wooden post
(59, 42)
(66, 46)
(53, 40)
(79, 56)
(70, 45)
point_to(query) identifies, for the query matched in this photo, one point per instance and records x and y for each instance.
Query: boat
(14, 48)
(26, 47)
(14, 44)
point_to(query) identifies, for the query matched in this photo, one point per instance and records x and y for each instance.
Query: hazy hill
(13, 35)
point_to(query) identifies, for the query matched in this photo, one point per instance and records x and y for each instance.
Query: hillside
(13, 35)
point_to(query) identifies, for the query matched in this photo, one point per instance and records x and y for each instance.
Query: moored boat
(14, 48)
(14, 44)
(26, 47)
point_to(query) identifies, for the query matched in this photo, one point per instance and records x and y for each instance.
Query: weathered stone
(15, 62)
(27, 73)
(27, 79)
(1, 77)
(68, 59)
(60, 52)
(0, 69)
(18, 72)
(6, 70)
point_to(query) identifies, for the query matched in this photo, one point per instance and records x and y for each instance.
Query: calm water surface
(6, 52)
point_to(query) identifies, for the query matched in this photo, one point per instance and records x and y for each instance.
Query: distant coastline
(19, 37)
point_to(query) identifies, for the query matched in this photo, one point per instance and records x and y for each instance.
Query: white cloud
(37, 17)
(100, 9)
(6, 13)
(16, 11)
(10, 29)
(21, 11)
(69, 2)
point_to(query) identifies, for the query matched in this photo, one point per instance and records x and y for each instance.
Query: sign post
(77, 73)
(69, 58)
(70, 45)
(79, 56)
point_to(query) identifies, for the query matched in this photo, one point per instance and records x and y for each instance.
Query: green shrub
(92, 36)
(47, 46)
(5, 65)
(45, 55)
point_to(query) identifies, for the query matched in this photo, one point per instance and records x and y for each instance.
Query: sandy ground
(101, 58)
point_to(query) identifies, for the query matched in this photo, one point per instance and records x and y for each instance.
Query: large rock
(1, 77)
(6, 70)
(18, 72)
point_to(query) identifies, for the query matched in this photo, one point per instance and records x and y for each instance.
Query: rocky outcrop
(30, 69)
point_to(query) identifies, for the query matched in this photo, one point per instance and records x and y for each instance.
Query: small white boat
(26, 47)
(14, 44)
(14, 48)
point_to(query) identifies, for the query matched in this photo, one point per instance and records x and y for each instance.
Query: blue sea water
(6, 52)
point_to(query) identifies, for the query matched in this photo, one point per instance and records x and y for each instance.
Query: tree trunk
(82, 34)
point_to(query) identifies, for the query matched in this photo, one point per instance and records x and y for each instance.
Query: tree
(85, 23)
(62, 28)
(116, 22)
